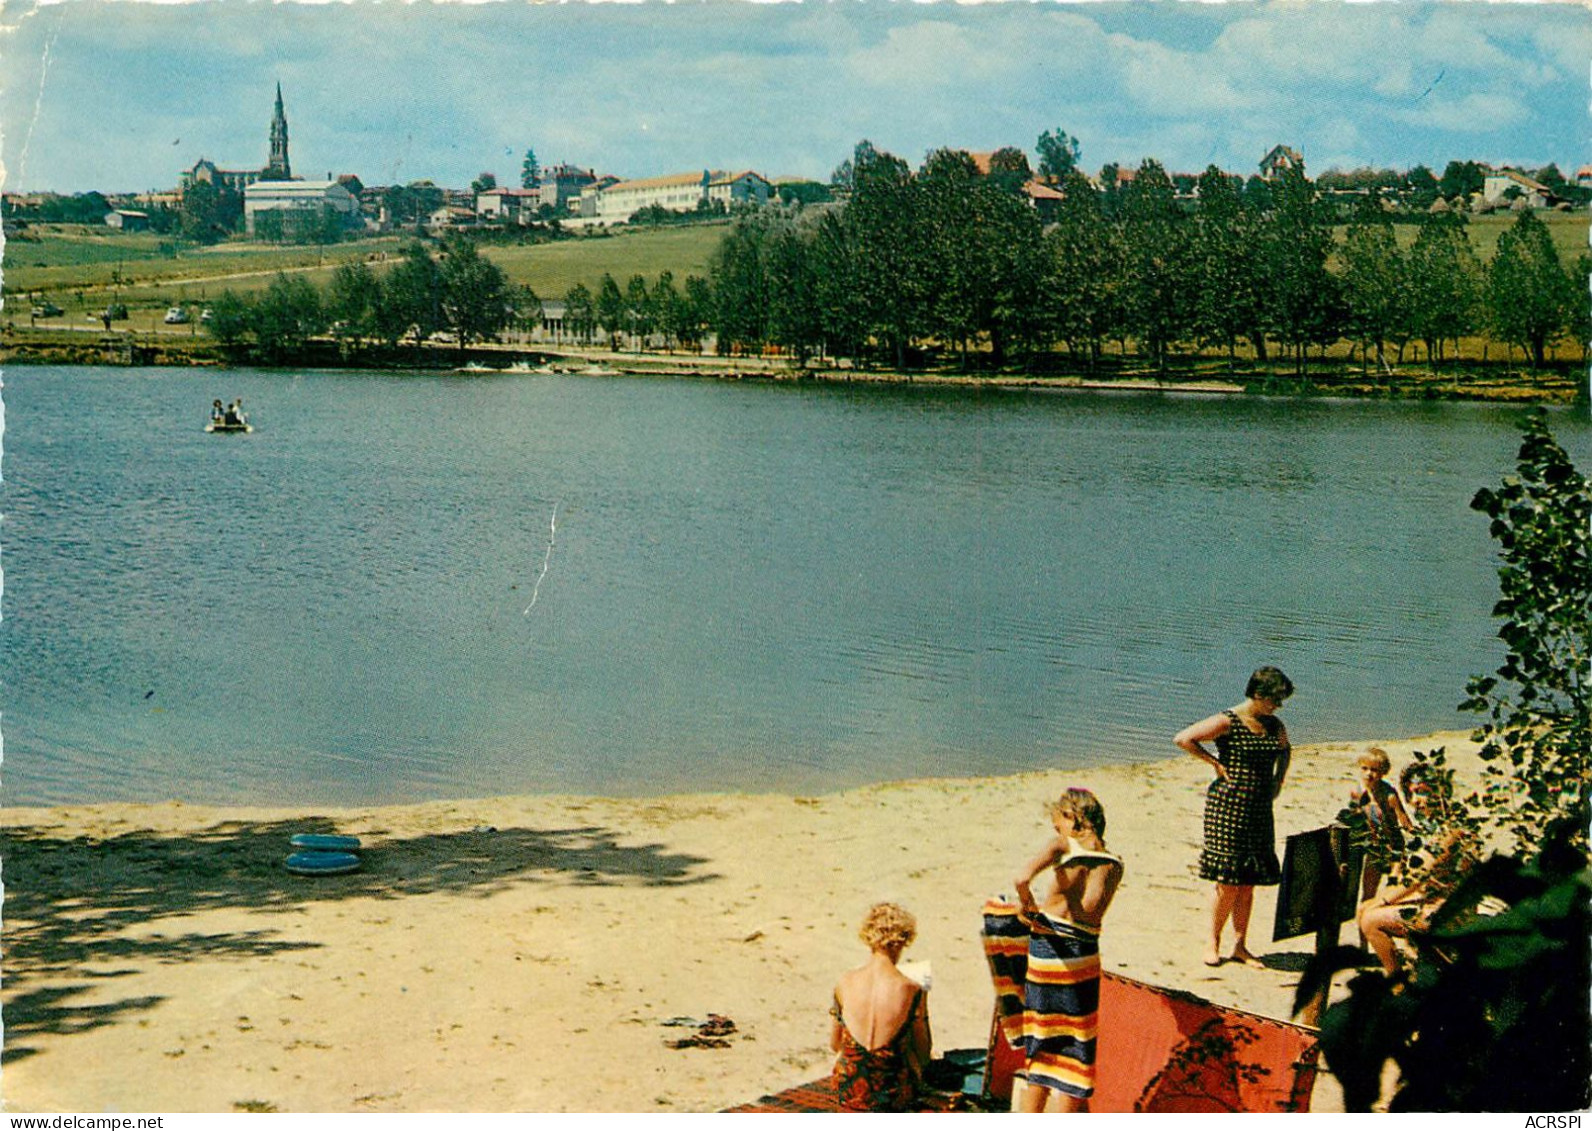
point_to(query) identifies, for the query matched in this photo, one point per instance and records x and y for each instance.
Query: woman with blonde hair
(1045, 956)
(880, 1030)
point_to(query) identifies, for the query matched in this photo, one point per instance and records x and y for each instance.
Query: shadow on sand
(75, 907)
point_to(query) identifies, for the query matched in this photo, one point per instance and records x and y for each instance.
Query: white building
(1498, 182)
(678, 192)
(509, 205)
(300, 201)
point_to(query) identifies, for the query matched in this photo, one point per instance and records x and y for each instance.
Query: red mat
(819, 1095)
(1167, 1050)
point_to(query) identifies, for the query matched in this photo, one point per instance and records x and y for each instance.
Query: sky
(123, 95)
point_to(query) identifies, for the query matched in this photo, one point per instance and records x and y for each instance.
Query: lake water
(745, 587)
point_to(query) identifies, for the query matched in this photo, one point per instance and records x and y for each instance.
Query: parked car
(47, 310)
(176, 316)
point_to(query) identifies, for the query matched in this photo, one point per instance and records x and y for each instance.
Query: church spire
(278, 168)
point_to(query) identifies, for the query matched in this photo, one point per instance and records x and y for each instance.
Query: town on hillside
(272, 203)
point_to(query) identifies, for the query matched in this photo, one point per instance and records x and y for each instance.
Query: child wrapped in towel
(1045, 957)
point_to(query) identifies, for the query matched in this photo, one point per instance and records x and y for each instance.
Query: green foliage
(1461, 179)
(610, 308)
(1442, 286)
(474, 293)
(1493, 1014)
(231, 320)
(1492, 1017)
(351, 302)
(1058, 154)
(412, 296)
(530, 171)
(1538, 725)
(1529, 294)
(286, 317)
(580, 312)
(804, 192)
(209, 212)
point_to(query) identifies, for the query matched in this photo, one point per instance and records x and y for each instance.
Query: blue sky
(123, 95)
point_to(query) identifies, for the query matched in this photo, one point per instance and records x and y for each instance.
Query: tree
(1058, 154)
(1298, 240)
(412, 295)
(270, 226)
(1085, 303)
(1009, 169)
(580, 313)
(1160, 278)
(741, 287)
(664, 303)
(1373, 273)
(696, 303)
(1537, 737)
(1493, 1016)
(210, 212)
(474, 292)
(793, 315)
(1423, 188)
(351, 302)
(486, 182)
(886, 240)
(610, 306)
(804, 192)
(638, 309)
(1442, 289)
(530, 171)
(1461, 179)
(286, 317)
(231, 320)
(1529, 294)
(1229, 302)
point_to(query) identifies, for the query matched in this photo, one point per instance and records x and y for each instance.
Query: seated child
(1386, 820)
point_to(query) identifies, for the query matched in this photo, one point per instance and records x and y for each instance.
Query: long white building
(678, 192)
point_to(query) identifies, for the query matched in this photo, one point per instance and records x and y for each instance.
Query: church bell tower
(278, 168)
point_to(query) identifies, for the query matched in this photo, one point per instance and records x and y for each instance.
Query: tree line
(458, 291)
(949, 257)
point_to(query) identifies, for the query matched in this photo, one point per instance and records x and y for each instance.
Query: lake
(405, 587)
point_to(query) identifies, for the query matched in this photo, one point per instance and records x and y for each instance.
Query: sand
(524, 953)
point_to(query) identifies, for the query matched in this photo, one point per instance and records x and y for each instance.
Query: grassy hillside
(551, 269)
(78, 267)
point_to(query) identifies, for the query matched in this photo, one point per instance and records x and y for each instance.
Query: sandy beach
(524, 953)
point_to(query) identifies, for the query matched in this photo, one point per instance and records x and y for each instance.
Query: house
(298, 202)
(1043, 199)
(561, 185)
(451, 216)
(508, 205)
(1501, 185)
(1583, 176)
(679, 192)
(207, 172)
(1280, 158)
(127, 219)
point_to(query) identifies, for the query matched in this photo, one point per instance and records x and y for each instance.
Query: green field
(80, 267)
(552, 269)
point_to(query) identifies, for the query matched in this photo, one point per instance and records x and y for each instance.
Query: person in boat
(880, 1030)
(217, 413)
(1061, 988)
(234, 413)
